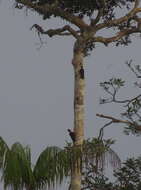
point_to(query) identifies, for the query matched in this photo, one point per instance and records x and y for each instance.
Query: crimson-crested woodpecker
(72, 135)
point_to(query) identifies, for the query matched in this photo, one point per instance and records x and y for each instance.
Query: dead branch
(59, 31)
(115, 120)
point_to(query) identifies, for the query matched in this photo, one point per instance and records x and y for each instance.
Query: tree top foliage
(85, 18)
(83, 8)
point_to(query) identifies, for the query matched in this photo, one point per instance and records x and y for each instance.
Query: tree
(128, 177)
(19, 173)
(131, 115)
(100, 15)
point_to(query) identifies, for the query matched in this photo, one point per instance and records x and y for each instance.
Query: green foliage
(131, 106)
(3, 149)
(99, 182)
(129, 176)
(111, 87)
(18, 172)
(86, 8)
(98, 152)
(96, 146)
(53, 164)
(94, 152)
(16, 167)
(114, 82)
(85, 18)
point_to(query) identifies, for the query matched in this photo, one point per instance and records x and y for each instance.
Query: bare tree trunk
(79, 87)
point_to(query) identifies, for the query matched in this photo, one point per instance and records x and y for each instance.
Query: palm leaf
(50, 167)
(97, 153)
(12, 175)
(3, 150)
(113, 158)
(17, 172)
(24, 152)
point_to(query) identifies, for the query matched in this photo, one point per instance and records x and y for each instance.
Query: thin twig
(101, 132)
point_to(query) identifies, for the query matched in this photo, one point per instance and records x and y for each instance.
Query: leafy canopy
(86, 18)
(85, 7)
(128, 177)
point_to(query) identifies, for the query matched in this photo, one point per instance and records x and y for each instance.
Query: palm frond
(51, 166)
(17, 172)
(3, 149)
(97, 153)
(12, 175)
(24, 152)
(113, 158)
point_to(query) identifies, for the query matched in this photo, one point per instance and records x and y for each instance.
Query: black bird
(72, 135)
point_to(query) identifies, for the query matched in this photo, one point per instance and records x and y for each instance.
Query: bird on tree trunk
(72, 135)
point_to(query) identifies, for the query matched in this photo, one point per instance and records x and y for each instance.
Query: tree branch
(115, 120)
(136, 70)
(119, 35)
(101, 132)
(59, 31)
(137, 2)
(96, 20)
(116, 22)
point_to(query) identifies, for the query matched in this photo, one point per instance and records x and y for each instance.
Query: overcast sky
(36, 86)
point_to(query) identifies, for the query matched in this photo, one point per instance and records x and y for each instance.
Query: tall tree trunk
(79, 91)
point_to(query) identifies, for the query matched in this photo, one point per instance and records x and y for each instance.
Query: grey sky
(36, 87)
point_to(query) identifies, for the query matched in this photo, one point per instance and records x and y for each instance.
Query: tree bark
(79, 91)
